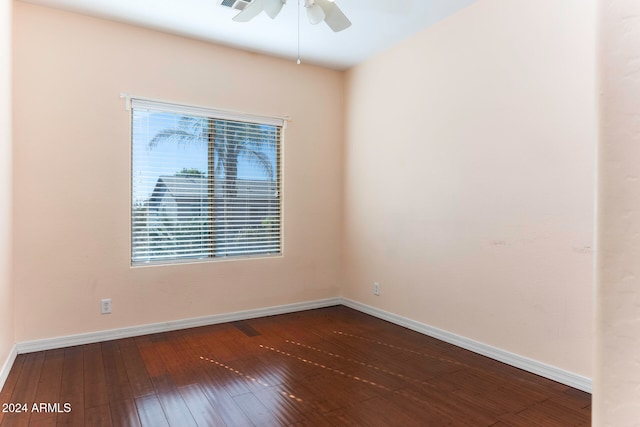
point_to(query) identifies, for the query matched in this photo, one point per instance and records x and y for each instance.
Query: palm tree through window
(203, 186)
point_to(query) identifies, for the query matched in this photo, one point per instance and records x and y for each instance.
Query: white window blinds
(205, 184)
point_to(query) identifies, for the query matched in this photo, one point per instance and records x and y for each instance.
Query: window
(205, 184)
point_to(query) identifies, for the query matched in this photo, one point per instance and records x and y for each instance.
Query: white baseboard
(521, 362)
(530, 365)
(93, 337)
(8, 364)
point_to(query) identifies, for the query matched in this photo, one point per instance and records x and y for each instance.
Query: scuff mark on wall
(584, 250)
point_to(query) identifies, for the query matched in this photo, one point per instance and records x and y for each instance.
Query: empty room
(319, 213)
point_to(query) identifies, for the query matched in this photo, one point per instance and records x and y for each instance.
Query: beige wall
(616, 399)
(72, 174)
(466, 186)
(469, 183)
(6, 287)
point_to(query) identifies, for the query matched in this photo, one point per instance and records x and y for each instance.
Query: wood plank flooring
(325, 367)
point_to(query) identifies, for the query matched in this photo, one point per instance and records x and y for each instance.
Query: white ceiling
(377, 24)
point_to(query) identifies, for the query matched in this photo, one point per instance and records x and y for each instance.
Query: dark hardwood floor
(326, 367)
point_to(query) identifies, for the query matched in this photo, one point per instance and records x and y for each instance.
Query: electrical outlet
(105, 306)
(376, 288)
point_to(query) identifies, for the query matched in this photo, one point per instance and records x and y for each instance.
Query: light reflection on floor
(400, 392)
(320, 365)
(252, 379)
(366, 365)
(408, 350)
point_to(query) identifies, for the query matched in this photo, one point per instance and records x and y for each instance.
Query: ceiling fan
(317, 11)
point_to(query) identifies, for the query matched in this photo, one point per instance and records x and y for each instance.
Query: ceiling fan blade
(315, 14)
(250, 12)
(335, 19)
(273, 7)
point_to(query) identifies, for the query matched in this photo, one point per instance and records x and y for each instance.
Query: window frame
(134, 103)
